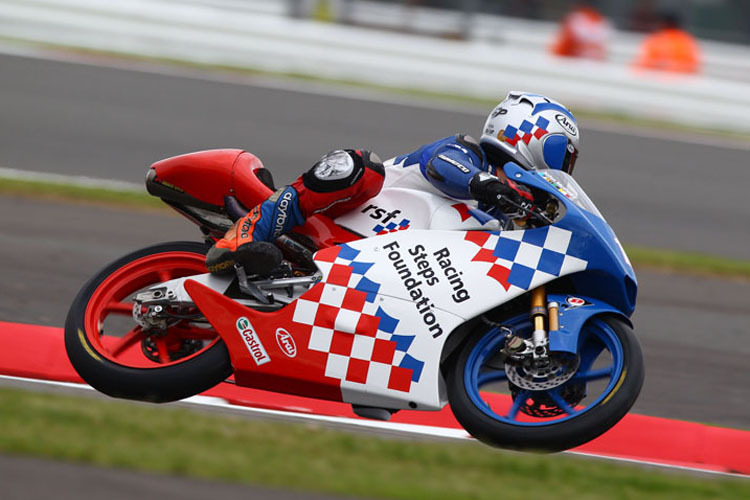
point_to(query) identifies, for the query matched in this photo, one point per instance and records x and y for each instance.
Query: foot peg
(249, 288)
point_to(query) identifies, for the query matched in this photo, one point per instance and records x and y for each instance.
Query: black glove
(487, 188)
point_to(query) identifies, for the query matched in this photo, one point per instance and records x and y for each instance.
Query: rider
(528, 129)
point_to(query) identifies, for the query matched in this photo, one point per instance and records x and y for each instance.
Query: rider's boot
(249, 240)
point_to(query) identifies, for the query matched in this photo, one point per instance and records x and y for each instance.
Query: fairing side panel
(332, 343)
(423, 284)
(373, 330)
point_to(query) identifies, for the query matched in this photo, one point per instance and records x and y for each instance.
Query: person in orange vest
(669, 48)
(584, 32)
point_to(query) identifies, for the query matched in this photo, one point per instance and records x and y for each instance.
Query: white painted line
(658, 464)
(412, 429)
(409, 429)
(70, 180)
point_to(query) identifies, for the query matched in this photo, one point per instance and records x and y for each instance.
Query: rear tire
(188, 360)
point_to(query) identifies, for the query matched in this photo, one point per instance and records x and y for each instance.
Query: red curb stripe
(39, 352)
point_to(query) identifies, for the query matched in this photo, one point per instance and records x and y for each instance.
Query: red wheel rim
(110, 299)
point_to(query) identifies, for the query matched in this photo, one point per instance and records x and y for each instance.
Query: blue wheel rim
(595, 338)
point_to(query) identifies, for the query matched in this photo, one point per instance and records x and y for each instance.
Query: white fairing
(397, 209)
(427, 283)
(427, 264)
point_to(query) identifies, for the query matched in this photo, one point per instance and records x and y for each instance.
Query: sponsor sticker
(499, 111)
(286, 342)
(567, 124)
(282, 210)
(460, 166)
(252, 341)
(576, 302)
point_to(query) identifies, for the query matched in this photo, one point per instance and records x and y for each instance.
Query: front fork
(545, 318)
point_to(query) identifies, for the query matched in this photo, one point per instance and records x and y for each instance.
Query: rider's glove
(487, 188)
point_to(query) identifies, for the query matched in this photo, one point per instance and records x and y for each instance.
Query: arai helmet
(533, 131)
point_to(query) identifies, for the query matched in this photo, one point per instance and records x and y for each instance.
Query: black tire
(604, 410)
(199, 372)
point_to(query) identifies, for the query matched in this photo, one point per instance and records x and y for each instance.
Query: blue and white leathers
(448, 165)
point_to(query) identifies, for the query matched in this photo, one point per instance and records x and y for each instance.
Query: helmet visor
(559, 153)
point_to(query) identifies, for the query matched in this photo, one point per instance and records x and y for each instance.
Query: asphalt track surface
(113, 123)
(110, 123)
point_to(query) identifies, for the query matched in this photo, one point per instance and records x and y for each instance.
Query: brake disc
(533, 376)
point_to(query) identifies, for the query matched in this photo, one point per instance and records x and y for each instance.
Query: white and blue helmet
(533, 131)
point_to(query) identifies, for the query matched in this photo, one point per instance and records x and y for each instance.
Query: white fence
(503, 53)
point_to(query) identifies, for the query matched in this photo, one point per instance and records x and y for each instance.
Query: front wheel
(114, 354)
(513, 405)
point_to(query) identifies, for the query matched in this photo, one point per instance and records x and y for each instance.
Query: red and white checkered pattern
(335, 269)
(344, 327)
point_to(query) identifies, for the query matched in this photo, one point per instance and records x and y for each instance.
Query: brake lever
(528, 209)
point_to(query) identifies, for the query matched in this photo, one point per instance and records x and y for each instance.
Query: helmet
(533, 131)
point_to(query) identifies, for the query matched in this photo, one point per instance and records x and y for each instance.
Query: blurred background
(94, 91)
(725, 20)
(616, 57)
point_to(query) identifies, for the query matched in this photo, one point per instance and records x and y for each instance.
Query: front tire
(608, 378)
(113, 354)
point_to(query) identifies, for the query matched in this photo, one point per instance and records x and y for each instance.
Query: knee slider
(340, 169)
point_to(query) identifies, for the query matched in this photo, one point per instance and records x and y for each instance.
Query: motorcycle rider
(528, 129)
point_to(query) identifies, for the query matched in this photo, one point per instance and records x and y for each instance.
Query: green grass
(688, 262)
(54, 191)
(176, 441)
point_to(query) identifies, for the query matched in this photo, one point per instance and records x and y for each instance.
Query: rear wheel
(573, 400)
(116, 356)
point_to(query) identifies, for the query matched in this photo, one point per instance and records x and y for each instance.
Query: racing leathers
(454, 167)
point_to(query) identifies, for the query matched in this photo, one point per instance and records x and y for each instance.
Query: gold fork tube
(538, 307)
(554, 318)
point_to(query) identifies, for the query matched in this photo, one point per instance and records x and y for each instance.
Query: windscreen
(569, 188)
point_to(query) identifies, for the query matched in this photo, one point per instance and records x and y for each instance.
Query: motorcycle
(520, 321)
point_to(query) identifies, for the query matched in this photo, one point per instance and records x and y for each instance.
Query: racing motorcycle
(520, 321)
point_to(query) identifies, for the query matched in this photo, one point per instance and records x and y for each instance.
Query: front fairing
(609, 275)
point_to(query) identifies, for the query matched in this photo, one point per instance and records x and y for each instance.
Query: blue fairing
(573, 317)
(609, 277)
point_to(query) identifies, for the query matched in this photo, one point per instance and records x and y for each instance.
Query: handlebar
(529, 209)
